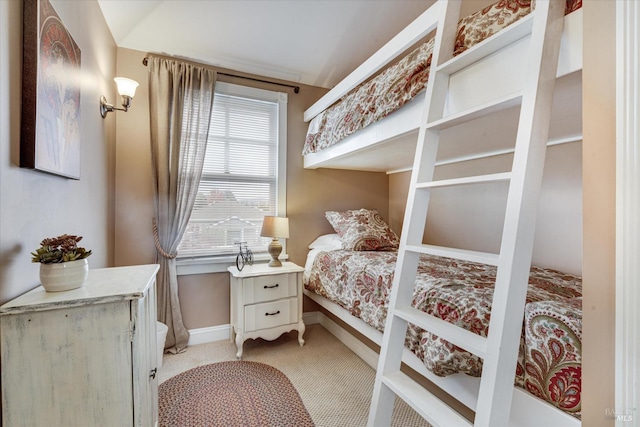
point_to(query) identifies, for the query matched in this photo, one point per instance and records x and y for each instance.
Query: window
(244, 175)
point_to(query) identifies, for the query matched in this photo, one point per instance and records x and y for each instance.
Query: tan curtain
(180, 103)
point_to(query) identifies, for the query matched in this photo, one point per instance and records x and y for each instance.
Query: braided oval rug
(233, 393)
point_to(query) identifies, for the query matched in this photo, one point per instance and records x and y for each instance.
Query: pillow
(363, 230)
(327, 242)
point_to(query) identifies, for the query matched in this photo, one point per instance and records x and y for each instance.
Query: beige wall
(133, 182)
(598, 327)
(470, 6)
(472, 217)
(35, 205)
(205, 298)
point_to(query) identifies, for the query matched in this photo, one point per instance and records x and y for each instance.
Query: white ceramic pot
(64, 276)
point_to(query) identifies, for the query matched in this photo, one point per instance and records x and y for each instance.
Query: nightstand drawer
(270, 314)
(269, 288)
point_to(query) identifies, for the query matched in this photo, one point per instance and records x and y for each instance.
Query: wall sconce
(275, 227)
(126, 88)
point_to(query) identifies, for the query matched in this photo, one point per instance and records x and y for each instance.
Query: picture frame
(51, 83)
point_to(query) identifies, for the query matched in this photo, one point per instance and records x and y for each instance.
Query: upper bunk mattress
(380, 96)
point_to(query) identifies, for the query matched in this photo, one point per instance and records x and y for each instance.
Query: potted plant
(63, 264)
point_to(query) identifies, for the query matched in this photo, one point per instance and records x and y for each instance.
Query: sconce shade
(274, 226)
(126, 87)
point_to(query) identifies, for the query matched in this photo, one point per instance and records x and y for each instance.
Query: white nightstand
(265, 302)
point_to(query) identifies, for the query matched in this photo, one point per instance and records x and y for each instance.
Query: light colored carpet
(334, 383)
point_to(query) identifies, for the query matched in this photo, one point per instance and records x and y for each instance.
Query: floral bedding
(390, 90)
(549, 362)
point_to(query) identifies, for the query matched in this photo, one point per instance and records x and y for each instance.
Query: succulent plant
(59, 249)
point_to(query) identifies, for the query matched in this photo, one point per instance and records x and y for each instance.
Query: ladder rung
(501, 39)
(425, 403)
(461, 254)
(478, 179)
(477, 112)
(464, 339)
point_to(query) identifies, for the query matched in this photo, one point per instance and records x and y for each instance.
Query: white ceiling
(314, 42)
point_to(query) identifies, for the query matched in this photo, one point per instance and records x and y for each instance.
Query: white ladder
(499, 350)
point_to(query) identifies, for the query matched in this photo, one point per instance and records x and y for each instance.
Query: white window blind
(242, 178)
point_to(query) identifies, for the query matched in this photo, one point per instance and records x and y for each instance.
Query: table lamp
(275, 227)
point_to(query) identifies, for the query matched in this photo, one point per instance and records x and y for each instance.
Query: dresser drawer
(270, 314)
(269, 288)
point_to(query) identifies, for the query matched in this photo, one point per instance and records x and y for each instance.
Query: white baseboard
(363, 351)
(221, 332)
(208, 334)
(312, 317)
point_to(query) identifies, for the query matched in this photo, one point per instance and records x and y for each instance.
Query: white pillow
(327, 242)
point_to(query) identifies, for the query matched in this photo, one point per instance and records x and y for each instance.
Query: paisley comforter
(549, 362)
(390, 90)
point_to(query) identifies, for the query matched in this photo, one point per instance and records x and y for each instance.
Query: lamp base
(275, 248)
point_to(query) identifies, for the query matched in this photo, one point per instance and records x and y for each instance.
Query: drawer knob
(271, 287)
(153, 373)
(272, 314)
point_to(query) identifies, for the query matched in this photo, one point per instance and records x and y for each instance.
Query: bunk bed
(370, 120)
(384, 139)
(354, 285)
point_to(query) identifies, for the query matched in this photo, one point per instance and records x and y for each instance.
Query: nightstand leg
(239, 342)
(301, 329)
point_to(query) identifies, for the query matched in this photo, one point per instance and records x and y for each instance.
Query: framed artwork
(50, 129)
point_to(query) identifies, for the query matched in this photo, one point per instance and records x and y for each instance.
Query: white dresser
(265, 302)
(84, 357)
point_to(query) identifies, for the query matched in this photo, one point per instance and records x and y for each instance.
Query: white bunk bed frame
(526, 409)
(389, 145)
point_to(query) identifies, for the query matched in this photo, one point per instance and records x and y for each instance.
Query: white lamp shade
(274, 226)
(126, 87)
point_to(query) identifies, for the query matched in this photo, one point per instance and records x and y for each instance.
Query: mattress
(390, 90)
(549, 361)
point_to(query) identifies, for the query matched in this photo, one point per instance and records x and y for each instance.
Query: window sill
(219, 264)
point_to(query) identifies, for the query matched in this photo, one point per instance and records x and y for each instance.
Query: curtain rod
(296, 89)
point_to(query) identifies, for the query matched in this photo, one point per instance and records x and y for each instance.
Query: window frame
(190, 264)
